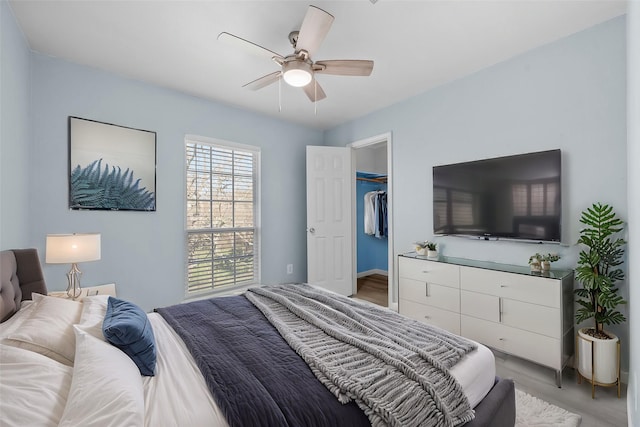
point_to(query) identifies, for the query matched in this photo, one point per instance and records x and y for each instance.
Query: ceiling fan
(298, 69)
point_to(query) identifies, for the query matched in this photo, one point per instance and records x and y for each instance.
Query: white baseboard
(374, 271)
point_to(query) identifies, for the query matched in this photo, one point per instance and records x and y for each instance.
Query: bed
(58, 369)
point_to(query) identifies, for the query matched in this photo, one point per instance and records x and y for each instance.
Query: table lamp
(72, 249)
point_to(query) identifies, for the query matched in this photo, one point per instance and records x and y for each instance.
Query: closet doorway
(373, 259)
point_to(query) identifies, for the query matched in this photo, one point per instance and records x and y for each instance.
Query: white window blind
(222, 214)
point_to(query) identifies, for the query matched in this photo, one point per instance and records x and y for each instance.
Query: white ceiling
(416, 45)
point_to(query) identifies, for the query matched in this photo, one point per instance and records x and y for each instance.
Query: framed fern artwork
(111, 167)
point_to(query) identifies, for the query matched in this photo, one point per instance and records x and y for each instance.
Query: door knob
(312, 230)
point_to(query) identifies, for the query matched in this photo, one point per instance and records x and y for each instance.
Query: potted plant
(421, 247)
(432, 251)
(426, 248)
(598, 273)
(547, 260)
(535, 262)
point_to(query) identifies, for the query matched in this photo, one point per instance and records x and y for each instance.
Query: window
(222, 214)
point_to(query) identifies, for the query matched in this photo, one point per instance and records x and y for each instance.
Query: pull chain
(280, 94)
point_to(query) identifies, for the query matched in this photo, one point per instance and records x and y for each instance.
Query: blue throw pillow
(127, 327)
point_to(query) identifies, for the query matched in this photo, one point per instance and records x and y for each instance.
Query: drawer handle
(425, 271)
(427, 317)
(500, 339)
(503, 286)
(500, 309)
(426, 286)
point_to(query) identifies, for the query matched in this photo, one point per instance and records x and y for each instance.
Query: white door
(329, 233)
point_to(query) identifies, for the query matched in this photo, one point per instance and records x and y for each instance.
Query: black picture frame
(111, 167)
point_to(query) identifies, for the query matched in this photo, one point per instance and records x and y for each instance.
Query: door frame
(368, 142)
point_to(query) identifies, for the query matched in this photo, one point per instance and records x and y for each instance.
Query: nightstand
(108, 289)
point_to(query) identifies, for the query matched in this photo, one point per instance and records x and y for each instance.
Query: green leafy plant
(93, 187)
(598, 270)
(551, 257)
(426, 244)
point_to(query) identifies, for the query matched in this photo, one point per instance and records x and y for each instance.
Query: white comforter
(35, 389)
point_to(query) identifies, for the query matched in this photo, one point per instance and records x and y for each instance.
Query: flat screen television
(512, 197)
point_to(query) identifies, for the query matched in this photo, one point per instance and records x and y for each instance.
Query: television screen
(514, 197)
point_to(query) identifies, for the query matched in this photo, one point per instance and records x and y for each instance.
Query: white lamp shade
(72, 248)
(297, 73)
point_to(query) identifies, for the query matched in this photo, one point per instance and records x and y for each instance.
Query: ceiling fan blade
(263, 81)
(345, 67)
(314, 29)
(248, 46)
(314, 91)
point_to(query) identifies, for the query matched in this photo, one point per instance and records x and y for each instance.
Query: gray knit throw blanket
(394, 368)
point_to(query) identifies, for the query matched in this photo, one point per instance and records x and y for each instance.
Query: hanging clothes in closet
(375, 214)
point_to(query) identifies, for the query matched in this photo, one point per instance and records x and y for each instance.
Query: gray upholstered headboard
(20, 275)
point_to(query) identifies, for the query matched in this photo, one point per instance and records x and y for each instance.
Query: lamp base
(73, 278)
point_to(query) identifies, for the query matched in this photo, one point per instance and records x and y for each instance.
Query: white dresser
(430, 292)
(506, 307)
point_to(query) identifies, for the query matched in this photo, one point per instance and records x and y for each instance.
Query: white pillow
(33, 389)
(106, 389)
(13, 323)
(48, 329)
(93, 311)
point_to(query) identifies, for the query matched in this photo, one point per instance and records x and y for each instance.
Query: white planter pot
(432, 254)
(605, 357)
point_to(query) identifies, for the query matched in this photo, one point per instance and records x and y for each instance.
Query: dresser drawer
(482, 306)
(431, 294)
(535, 290)
(443, 319)
(539, 319)
(537, 348)
(429, 271)
(530, 317)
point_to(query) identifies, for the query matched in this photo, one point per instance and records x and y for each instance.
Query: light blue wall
(633, 150)
(372, 252)
(570, 94)
(142, 252)
(15, 166)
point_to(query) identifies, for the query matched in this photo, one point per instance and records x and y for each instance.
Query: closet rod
(372, 179)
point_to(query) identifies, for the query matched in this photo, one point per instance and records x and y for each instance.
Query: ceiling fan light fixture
(297, 73)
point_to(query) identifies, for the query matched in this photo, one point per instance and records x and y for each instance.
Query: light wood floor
(606, 410)
(373, 288)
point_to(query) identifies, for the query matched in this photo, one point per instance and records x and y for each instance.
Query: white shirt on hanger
(369, 212)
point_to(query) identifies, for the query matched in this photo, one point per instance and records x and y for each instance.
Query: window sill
(234, 290)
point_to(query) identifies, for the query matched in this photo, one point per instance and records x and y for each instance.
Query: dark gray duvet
(253, 374)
